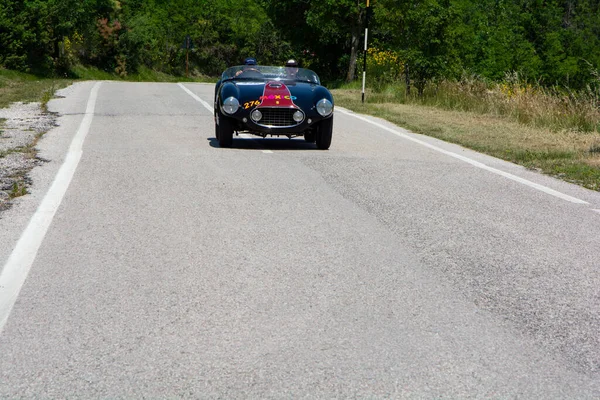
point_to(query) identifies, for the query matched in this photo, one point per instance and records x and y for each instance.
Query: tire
(310, 136)
(225, 132)
(324, 133)
(216, 128)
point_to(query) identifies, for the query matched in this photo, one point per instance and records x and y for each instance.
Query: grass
(143, 75)
(531, 104)
(19, 189)
(570, 154)
(21, 87)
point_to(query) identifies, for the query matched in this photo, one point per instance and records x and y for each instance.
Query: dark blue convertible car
(273, 101)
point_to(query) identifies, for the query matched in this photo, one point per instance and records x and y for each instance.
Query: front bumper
(245, 123)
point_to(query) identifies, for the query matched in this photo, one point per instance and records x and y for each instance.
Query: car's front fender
(227, 90)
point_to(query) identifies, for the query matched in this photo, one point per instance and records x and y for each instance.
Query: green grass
(21, 87)
(143, 75)
(18, 189)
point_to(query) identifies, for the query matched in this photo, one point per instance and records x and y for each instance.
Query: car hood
(301, 94)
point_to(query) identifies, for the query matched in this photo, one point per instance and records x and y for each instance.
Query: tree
(326, 33)
(12, 35)
(421, 31)
(339, 22)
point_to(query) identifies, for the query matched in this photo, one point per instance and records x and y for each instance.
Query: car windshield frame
(265, 73)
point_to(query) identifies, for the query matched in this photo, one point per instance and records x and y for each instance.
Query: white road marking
(598, 211)
(198, 99)
(19, 263)
(470, 161)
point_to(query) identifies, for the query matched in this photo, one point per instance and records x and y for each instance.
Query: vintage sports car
(273, 101)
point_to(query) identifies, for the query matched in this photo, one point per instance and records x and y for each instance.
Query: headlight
(324, 107)
(256, 115)
(230, 105)
(298, 116)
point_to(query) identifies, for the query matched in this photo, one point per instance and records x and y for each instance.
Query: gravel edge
(21, 126)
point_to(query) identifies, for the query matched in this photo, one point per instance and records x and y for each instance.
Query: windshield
(269, 73)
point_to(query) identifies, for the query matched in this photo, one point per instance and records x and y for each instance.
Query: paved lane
(379, 268)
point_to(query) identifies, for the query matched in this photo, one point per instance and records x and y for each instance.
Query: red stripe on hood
(276, 94)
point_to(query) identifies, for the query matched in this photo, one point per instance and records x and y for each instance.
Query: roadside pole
(187, 44)
(368, 10)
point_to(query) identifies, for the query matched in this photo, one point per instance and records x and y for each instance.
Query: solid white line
(598, 211)
(469, 161)
(21, 259)
(198, 99)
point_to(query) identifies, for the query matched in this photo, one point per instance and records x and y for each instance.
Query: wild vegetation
(553, 42)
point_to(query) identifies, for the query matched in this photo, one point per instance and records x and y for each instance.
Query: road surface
(149, 262)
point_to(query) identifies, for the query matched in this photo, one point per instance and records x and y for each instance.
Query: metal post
(187, 52)
(365, 53)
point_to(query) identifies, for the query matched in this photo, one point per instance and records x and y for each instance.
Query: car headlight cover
(324, 107)
(230, 105)
(256, 115)
(298, 116)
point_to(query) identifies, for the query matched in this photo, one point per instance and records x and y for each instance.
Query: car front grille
(278, 117)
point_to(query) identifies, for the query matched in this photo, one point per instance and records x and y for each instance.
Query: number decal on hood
(252, 103)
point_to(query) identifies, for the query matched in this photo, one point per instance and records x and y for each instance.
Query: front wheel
(224, 132)
(216, 128)
(324, 133)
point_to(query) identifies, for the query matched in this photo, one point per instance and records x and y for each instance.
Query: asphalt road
(390, 266)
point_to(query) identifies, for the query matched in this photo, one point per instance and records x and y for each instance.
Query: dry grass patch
(493, 132)
(593, 161)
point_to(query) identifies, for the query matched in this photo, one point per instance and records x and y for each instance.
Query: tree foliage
(550, 41)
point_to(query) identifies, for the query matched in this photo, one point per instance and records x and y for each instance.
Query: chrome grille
(280, 117)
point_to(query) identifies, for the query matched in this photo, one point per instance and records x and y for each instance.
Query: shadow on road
(266, 144)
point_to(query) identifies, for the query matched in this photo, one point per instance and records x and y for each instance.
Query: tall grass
(555, 108)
